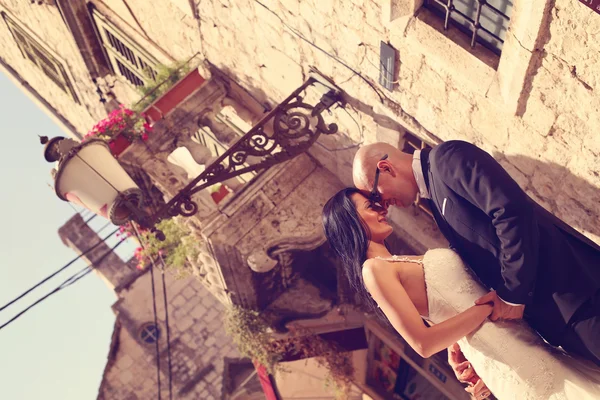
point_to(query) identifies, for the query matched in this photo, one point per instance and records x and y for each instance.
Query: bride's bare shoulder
(375, 267)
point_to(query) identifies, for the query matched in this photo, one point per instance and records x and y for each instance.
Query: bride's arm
(386, 289)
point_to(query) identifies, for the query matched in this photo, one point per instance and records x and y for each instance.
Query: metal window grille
(485, 21)
(34, 51)
(127, 58)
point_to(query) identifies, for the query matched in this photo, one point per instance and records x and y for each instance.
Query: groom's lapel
(425, 166)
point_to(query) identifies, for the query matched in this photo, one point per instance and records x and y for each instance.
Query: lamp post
(89, 175)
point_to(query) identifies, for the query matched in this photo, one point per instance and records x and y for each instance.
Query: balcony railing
(285, 132)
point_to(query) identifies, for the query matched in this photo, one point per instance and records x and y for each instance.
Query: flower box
(174, 96)
(120, 129)
(219, 194)
(118, 144)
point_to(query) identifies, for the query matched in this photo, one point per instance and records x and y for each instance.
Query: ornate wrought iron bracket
(284, 133)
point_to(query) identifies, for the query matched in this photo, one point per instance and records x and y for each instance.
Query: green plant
(178, 246)
(166, 77)
(252, 335)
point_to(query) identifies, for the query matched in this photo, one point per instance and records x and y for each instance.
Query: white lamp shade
(94, 179)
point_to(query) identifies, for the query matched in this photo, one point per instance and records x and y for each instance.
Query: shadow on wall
(248, 86)
(569, 197)
(390, 123)
(537, 58)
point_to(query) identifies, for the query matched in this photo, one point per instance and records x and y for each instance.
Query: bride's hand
(478, 390)
(462, 368)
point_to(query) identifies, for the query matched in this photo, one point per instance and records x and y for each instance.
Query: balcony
(263, 239)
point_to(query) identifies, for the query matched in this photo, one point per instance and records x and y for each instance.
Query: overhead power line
(71, 280)
(58, 271)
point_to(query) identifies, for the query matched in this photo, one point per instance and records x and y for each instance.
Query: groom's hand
(501, 309)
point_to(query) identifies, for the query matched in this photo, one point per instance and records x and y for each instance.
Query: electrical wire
(57, 272)
(382, 97)
(71, 280)
(153, 294)
(90, 218)
(360, 142)
(154, 206)
(137, 235)
(164, 286)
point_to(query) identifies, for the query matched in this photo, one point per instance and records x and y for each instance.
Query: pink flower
(140, 267)
(145, 137)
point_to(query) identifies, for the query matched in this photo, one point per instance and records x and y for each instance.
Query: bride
(509, 357)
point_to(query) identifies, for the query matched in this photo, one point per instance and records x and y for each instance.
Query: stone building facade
(205, 363)
(527, 96)
(533, 106)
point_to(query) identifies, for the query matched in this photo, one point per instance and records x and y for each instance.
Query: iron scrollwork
(285, 132)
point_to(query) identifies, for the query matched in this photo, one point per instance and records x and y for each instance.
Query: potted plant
(219, 192)
(253, 336)
(179, 246)
(120, 128)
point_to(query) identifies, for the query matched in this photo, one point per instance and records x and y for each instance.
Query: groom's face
(393, 187)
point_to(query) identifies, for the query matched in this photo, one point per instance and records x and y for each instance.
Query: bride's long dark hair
(348, 235)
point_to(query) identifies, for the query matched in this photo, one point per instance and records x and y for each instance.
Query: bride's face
(373, 216)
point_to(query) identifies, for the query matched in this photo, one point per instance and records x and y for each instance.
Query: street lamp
(89, 175)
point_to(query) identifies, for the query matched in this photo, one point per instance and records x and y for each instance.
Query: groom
(539, 268)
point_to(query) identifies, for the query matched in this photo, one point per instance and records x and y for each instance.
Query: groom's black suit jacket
(511, 243)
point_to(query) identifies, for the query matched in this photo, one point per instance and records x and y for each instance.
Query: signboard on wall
(593, 4)
(393, 374)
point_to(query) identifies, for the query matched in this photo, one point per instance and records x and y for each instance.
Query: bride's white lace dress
(510, 357)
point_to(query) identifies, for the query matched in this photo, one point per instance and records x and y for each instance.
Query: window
(150, 333)
(126, 58)
(484, 21)
(37, 54)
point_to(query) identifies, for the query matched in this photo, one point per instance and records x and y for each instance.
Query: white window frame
(127, 59)
(33, 50)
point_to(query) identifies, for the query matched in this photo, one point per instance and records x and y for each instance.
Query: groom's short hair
(365, 162)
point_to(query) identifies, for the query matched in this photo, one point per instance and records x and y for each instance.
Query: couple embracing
(516, 297)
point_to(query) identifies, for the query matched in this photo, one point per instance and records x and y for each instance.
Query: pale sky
(56, 351)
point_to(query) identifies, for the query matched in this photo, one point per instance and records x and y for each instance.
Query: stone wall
(198, 343)
(536, 111)
(44, 23)
(164, 28)
(77, 235)
(443, 92)
(280, 210)
(534, 108)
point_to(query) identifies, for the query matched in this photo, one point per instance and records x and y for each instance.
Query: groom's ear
(386, 167)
